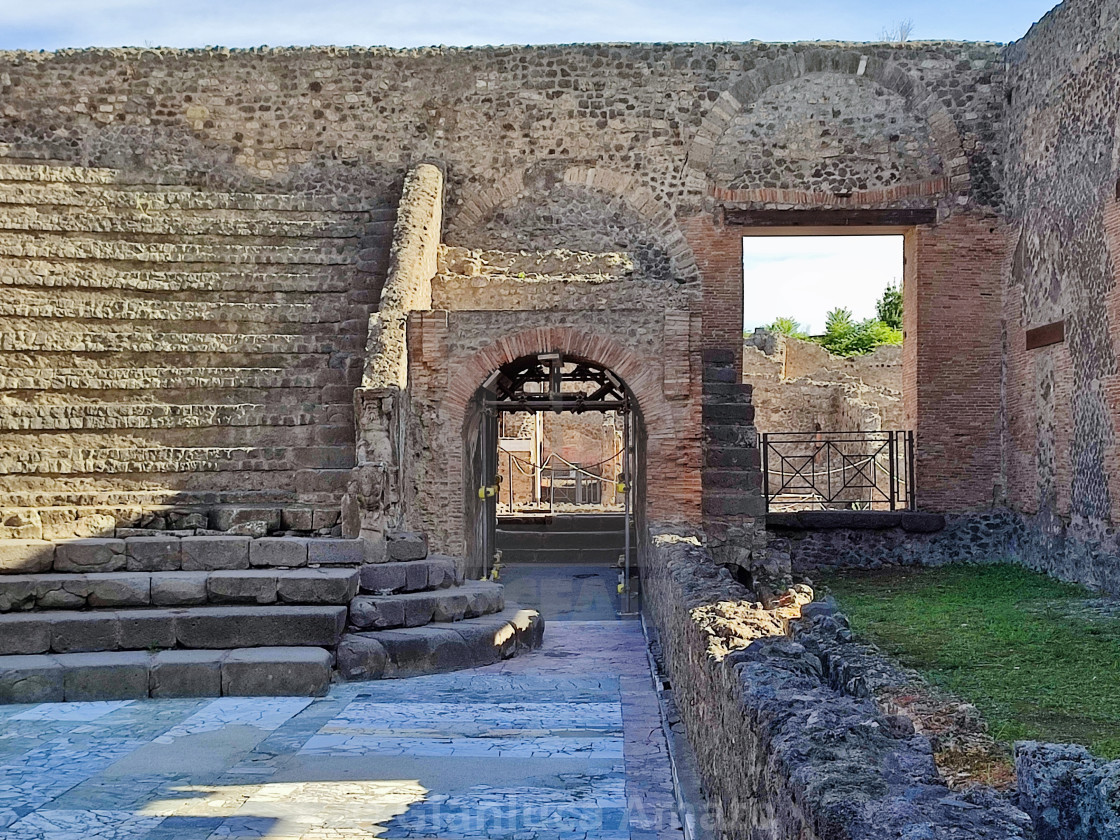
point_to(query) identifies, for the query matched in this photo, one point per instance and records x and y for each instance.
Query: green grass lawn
(1040, 659)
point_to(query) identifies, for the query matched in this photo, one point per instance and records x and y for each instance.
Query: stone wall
(784, 749)
(801, 387)
(1061, 457)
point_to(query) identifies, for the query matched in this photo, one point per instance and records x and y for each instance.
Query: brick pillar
(733, 508)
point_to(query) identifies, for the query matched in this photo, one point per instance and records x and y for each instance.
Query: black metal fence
(839, 470)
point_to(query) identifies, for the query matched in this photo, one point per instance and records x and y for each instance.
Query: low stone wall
(1069, 793)
(782, 752)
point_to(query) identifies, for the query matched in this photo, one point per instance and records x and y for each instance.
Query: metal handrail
(859, 470)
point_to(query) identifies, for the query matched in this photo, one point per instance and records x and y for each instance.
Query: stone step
(315, 587)
(433, 572)
(135, 460)
(39, 335)
(69, 631)
(53, 246)
(109, 415)
(563, 556)
(415, 609)
(43, 186)
(82, 274)
(415, 651)
(182, 378)
(182, 223)
(173, 554)
(260, 435)
(328, 308)
(581, 522)
(243, 672)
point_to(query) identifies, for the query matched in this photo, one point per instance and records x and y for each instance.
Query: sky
(55, 24)
(803, 277)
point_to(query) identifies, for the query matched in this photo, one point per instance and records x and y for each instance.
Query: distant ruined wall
(1061, 439)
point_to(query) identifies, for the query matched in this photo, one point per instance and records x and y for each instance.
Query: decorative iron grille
(839, 470)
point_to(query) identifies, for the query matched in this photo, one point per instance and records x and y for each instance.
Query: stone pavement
(562, 743)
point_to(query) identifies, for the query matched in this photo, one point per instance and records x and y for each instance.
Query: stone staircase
(198, 616)
(168, 349)
(417, 616)
(592, 538)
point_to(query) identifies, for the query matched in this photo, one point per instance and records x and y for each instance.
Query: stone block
(179, 589)
(242, 587)
(278, 551)
(277, 671)
(416, 574)
(234, 627)
(297, 519)
(488, 641)
(442, 571)
(203, 554)
(361, 657)
(407, 545)
(425, 650)
(153, 554)
(146, 629)
(323, 518)
(24, 634)
(448, 606)
(385, 577)
(93, 555)
(326, 552)
(121, 589)
(17, 592)
(186, 673)
(318, 586)
(222, 519)
(376, 613)
(26, 557)
(81, 632)
(30, 679)
(61, 592)
(529, 626)
(105, 676)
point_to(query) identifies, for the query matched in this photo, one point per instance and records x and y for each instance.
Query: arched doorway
(555, 502)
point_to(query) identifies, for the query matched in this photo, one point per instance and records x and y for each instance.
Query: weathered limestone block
(123, 589)
(277, 671)
(318, 586)
(186, 673)
(406, 545)
(61, 592)
(25, 557)
(24, 634)
(105, 676)
(361, 657)
(222, 519)
(425, 650)
(376, 613)
(21, 525)
(324, 552)
(153, 554)
(81, 632)
(17, 592)
(146, 629)
(234, 627)
(297, 519)
(213, 553)
(179, 589)
(278, 551)
(92, 555)
(242, 587)
(95, 525)
(30, 679)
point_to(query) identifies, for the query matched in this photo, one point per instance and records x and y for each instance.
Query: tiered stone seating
(416, 616)
(172, 345)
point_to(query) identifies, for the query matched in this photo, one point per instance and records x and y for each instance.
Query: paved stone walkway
(563, 743)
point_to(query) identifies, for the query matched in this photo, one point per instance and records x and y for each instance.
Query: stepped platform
(585, 538)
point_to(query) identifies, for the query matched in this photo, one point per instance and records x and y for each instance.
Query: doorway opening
(823, 350)
(558, 484)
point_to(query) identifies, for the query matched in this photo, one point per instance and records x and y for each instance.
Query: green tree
(787, 326)
(889, 307)
(844, 336)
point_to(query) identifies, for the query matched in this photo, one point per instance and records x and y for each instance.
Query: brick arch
(918, 98)
(641, 378)
(628, 187)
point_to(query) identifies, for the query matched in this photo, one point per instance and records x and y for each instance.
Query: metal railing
(570, 485)
(844, 470)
